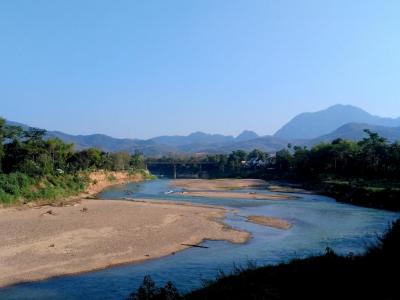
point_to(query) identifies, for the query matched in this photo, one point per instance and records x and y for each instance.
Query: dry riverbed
(217, 194)
(270, 222)
(221, 188)
(218, 184)
(42, 242)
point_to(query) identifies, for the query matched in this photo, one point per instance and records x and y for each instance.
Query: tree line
(29, 152)
(33, 166)
(372, 158)
(238, 163)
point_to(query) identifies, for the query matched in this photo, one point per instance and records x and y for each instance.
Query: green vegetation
(20, 187)
(364, 173)
(370, 159)
(329, 276)
(236, 164)
(35, 168)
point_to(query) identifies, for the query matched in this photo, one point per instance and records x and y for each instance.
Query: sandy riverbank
(270, 222)
(43, 242)
(220, 188)
(231, 195)
(286, 188)
(218, 184)
(103, 179)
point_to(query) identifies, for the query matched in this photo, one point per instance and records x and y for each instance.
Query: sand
(270, 222)
(218, 184)
(280, 188)
(42, 242)
(103, 179)
(220, 188)
(231, 195)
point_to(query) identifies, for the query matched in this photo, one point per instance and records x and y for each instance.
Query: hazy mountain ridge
(200, 142)
(355, 132)
(162, 145)
(312, 125)
(193, 138)
(203, 138)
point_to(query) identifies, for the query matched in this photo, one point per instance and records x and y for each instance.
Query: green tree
(283, 160)
(2, 136)
(85, 159)
(258, 155)
(137, 162)
(373, 152)
(120, 161)
(60, 152)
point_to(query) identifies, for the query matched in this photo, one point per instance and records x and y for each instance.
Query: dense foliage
(371, 158)
(34, 167)
(329, 276)
(236, 164)
(365, 173)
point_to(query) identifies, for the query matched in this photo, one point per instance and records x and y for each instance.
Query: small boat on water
(169, 192)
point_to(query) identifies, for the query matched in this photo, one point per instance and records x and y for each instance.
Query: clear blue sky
(147, 68)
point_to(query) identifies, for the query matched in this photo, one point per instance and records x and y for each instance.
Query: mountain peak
(246, 135)
(340, 106)
(312, 125)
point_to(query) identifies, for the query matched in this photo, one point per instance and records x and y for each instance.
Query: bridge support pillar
(174, 175)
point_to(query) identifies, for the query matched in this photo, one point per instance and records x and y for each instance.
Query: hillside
(308, 129)
(355, 132)
(265, 143)
(201, 139)
(107, 143)
(162, 145)
(313, 125)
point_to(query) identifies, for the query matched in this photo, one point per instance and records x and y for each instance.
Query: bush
(149, 291)
(16, 186)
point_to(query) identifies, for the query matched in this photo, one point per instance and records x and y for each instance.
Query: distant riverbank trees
(371, 158)
(366, 172)
(34, 167)
(236, 164)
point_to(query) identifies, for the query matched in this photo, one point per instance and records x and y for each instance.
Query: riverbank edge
(348, 193)
(366, 276)
(97, 182)
(219, 220)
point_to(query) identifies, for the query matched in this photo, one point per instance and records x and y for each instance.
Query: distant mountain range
(107, 143)
(307, 129)
(355, 132)
(313, 125)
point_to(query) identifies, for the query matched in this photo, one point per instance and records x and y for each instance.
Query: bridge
(175, 164)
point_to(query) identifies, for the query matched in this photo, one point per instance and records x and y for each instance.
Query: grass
(19, 188)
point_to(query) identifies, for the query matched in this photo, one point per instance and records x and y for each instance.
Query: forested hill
(356, 132)
(307, 129)
(312, 125)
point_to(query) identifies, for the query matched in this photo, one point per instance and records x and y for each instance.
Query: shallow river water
(318, 222)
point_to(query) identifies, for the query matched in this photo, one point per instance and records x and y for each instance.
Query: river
(318, 222)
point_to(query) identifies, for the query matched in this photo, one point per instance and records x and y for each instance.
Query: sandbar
(47, 241)
(218, 184)
(270, 222)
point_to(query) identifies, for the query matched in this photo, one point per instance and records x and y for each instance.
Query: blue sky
(145, 68)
